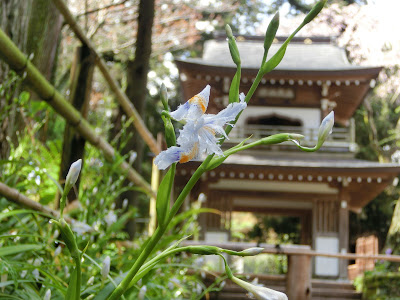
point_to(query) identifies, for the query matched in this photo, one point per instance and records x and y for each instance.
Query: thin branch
(101, 8)
(123, 100)
(96, 29)
(20, 199)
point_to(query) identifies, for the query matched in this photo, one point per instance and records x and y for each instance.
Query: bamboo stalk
(20, 63)
(123, 100)
(20, 199)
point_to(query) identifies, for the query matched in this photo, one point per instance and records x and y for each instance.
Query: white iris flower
(201, 132)
(260, 292)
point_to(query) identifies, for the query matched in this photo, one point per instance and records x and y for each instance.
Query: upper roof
(302, 54)
(313, 67)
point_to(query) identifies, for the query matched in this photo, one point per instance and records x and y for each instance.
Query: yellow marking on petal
(189, 156)
(199, 101)
(210, 130)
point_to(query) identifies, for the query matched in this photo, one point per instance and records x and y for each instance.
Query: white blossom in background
(81, 228)
(142, 292)
(66, 271)
(110, 218)
(36, 274)
(125, 203)
(47, 295)
(90, 281)
(106, 268)
(57, 251)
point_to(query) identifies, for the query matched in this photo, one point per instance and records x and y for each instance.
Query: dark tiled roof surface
(299, 56)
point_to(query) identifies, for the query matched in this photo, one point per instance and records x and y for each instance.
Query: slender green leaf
(234, 89)
(71, 291)
(164, 194)
(10, 250)
(14, 212)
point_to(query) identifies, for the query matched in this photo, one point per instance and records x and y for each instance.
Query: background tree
(35, 27)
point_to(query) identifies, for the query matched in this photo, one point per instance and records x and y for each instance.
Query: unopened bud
(164, 96)
(170, 136)
(271, 32)
(314, 11)
(204, 250)
(251, 251)
(232, 45)
(106, 268)
(73, 173)
(326, 128)
(47, 296)
(259, 292)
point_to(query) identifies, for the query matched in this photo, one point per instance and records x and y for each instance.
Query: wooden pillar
(298, 278)
(80, 89)
(344, 198)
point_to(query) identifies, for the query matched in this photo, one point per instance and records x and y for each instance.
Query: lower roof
(363, 180)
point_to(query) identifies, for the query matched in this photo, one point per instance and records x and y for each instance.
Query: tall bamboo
(16, 197)
(21, 64)
(123, 100)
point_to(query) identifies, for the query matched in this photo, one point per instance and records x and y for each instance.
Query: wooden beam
(298, 278)
(295, 196)
(345, 199)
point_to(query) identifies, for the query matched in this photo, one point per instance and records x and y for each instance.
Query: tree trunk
(80, 87)
(35, 27)
(137, 90)
(393, 237)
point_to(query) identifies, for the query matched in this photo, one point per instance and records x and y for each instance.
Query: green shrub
(381, 286)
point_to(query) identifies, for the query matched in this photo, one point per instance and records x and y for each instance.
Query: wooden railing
(298, 276)
(340, 137)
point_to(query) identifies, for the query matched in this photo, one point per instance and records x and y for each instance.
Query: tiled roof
(282, 161)
(299, 56)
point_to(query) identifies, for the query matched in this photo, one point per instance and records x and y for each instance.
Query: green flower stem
(124, 284)
(147, 267)
(78, 276)
(227, 269)
(62, 204)
(250, 94)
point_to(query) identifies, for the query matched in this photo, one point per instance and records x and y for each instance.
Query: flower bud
(314, 11)
(260, 292)
(47, 296)
(73, 174)
(271, 32)
(106, 268)
(325, 129)
(251, 251)
(164, 96)
(203, 250)
(169, 129)
(232, 45)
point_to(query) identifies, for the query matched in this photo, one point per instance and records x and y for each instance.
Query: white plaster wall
(310, 117)
(327, 266)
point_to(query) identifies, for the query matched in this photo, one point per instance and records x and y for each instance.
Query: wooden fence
(298, 277)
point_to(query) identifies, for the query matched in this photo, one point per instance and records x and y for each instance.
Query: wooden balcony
(340, 140)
